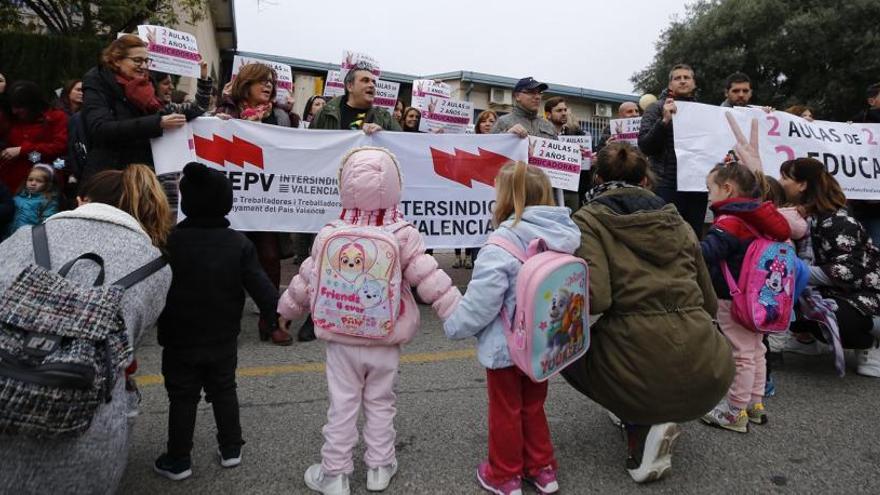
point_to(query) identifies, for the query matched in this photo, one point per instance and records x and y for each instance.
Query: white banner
(426, 91)
(447, 116)
(559, 160)
(586, 144)
(284, 84)
(351, 60)
(285, 180)
(386, 95)
(705, 133)
(171, 51)
(333, 86)
(626, 130)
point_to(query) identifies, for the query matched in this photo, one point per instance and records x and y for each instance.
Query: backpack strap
(508, 246)
(743, 222)
(732, 284)
(41, 246)
(141, 273)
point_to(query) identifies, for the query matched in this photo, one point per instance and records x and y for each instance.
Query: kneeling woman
(656, 357)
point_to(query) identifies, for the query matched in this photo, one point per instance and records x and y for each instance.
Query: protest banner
(285, 180)
(333, 86)
(561, 161)
(626, 130)
(586, 144)
(447, 116)
(351, 60)
(386, 95)
(284, 84)
(426, 91)
(171, 51)
(705, 133)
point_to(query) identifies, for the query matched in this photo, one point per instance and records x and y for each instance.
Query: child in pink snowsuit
(362, 371)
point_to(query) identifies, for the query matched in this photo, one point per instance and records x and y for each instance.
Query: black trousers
(187, 372)
(855, 328)
(691, 206)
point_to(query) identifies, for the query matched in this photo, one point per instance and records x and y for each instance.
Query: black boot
(306, 331)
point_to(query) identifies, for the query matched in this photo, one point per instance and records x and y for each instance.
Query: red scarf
(140, 93)
(255, 113)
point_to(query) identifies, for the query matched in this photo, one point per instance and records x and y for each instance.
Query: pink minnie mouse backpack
(550, 325)
(358, 281)
(763, 298)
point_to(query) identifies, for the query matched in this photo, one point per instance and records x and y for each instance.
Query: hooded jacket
(493, 283)
(370, 186)
(730, 237)
(656, 355)
(535, 125)
(657, 141)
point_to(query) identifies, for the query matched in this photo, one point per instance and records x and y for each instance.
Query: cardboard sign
(447, 116)
(350, 60)
(284, 85)
(561, 161)
(586, 144)
(171, 51)
(333, 86)
(626, 130)
(426, 91)
(386, 95)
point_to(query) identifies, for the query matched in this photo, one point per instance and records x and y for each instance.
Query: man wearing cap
(524, 120)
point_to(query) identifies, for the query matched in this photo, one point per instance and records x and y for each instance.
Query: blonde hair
(517, 186)
(137, 192)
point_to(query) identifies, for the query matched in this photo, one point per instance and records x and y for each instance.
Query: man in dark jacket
(737, 90)
(213, 265)
(870, 115)
(355, 109)
(656, 139)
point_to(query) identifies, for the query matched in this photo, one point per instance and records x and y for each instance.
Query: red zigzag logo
(464, 167)
(220, 150)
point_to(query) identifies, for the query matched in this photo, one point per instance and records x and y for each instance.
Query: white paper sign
(447, 116)
(171, 51)
(561, 161)
(350, 60)
(333, 86)
(705, 133)
(426, 91)
(626, 130)
(285, 75)
(586, 144)
(285, 180)
(386, 95)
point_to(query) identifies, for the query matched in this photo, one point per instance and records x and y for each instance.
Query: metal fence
(594, 126)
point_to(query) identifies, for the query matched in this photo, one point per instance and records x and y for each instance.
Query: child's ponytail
(518, 186)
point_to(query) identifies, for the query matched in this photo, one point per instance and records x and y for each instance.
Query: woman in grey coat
(94, 462)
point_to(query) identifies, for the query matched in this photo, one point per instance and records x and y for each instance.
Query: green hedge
(47, 60)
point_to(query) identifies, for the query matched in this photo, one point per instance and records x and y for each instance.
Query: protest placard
(426, 91)
(284, 84)
(171, 51)
(351, 60)
(447, 116)
(386, 95)
(705, 133)
(286, 180)
(626, 130)
(333, 86)
(586, 144)
(561, 161)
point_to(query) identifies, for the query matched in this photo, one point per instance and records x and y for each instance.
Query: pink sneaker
(509, 487)
(545, 481)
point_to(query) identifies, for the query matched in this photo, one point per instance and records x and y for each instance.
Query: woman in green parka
(656, 357)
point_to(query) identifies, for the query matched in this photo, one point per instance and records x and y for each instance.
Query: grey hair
(349, 76)
(681, 67)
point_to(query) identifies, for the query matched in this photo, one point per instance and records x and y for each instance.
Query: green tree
(823, 54)
(104, 18)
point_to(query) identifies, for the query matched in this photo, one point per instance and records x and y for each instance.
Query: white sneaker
(328, 485)
(379, 478)
(814, 348)
(777, 341)
(868, 361)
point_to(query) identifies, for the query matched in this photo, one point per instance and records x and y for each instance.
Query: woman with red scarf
(30, 132)
(251, 96)
(120, 108)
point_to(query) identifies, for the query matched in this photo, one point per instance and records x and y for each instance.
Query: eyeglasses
(532, 92)
(140, 60)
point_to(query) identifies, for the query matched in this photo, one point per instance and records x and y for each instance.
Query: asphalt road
(822, 436)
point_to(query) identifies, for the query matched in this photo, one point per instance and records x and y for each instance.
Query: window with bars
(594, 126)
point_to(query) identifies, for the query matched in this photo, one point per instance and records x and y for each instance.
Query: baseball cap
(528, 84)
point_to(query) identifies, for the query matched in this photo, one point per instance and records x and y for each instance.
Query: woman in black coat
(120, 110)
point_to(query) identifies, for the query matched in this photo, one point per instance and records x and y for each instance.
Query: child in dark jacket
(213, 265)
(734, 193)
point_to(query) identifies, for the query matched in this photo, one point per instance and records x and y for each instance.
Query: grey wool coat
(94, 462)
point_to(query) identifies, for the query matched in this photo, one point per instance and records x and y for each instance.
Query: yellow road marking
(285, 369)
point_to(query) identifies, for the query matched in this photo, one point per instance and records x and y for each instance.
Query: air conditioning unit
(603, 110)
(500, 96)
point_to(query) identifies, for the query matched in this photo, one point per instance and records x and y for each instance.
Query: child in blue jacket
(36, 200)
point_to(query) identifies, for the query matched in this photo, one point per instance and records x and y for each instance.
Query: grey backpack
(62, 345)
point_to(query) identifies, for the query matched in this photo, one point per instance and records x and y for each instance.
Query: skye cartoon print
(353, 293)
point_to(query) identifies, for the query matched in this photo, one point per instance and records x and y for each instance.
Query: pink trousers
(360, 376)
(749, 357)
